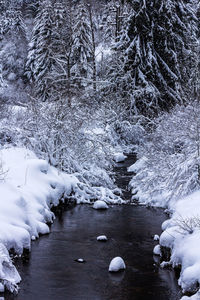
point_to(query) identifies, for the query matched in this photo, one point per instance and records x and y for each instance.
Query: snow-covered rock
(102, 238)
(156, 237)
(119, 157)
(157, 250)
(99, 204)
(80, 260)
(117, 264)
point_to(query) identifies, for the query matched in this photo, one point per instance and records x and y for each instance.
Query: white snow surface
(182, 235)
(117, 264)
(99, 204)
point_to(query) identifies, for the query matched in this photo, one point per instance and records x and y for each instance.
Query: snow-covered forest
(82, 83)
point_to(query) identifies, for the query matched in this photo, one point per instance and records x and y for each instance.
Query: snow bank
(182, 235)
(29, 187)
(117, 264)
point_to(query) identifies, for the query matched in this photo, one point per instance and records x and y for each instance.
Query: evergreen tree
(12, 34)
(82, 47)
(155, 55)
(39, 60)
(49, 60)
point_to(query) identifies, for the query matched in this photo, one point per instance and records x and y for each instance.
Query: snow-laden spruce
(29, 187)
(117, 264)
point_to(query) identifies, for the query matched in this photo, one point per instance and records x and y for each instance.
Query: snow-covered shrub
(187, 224)
(67, 137)
(74, 139)
(168, 163)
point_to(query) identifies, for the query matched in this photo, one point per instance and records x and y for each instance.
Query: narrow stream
(53, 274)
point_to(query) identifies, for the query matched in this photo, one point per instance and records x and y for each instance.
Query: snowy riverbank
(181, 233)
(29, 187)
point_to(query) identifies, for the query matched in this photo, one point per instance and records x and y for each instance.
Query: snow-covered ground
(29, 187)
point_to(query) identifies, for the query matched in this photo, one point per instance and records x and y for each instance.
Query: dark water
(52, 274)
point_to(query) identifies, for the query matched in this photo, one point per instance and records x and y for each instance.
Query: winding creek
(51, 273)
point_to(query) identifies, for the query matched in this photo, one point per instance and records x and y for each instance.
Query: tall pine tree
(154, 55)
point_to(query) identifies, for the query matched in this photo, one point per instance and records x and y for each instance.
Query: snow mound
(99, 204)
(119, 157)
(102, 238)
(157, 250)
(117, 264)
